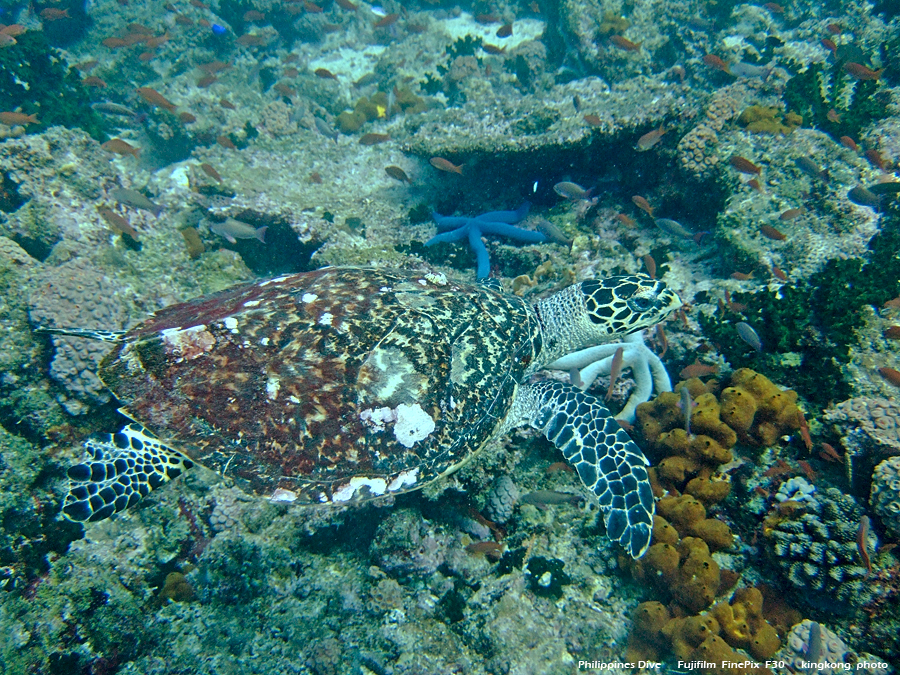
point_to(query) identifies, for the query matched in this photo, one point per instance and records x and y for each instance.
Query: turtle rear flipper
(123, 468)
(608, 462)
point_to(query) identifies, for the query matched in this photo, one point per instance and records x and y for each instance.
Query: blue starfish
(493, 222)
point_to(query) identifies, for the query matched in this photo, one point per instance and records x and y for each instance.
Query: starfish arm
(511, 231)
(449, 222)
(661, 381)
(483, 261)
(584, 357)
(452, 235)
(593, 370)
(643, 388)
(506, 216)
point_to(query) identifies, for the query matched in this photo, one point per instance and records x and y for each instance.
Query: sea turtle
(344, 384)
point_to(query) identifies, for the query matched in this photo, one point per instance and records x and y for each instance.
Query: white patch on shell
(230, 323)
(403, 479)
(282, 496)
(376, 419)
(345, 493)
(188, 343)
(413, 424)
(272, 386)
(276, 280)
(309, 297)
(438, 279)
(251, 303)
(326, 318)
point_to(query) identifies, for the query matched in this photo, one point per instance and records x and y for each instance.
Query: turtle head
(621, 305)
(598, 310)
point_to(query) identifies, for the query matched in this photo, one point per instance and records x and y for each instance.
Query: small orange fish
(489, 549)
(790, 214)
(186, 118)
(834, 29)
(153, 97)
(715, 63)
(211, 172)
(87, 66)
(312, 7)
(625, 220)
(253, 15)
(93, 81)
(120, 147)
(892, 304)
(442, 164)
(504, 31)
(744, 165)
(315, 178)
(829, 454)
(753, 183)
(183, 20)
(829, 45)
(849, 143)
(386, 20)
(114, 43)
(225, 142)
(225, 103)
(861, 72)
(13, 30)
(650, 139)
(615, 369)
(808, 470)
(14, 118)
(593, 120)
(485, 19)
(662, 340)
(7, 41)
(774, 7)
(697, 369)
(771, 233)
(643, 205)
(373, 139)
(291, 72)
(741, 276)
(397, 173)
(199, 5)
(891, 375)
(876, 159)
(346, 4)
(139, 28)
(862, 543)
(213, 67)
(144, 57)
(285, 90)
(650, 265)
(118, 223)
(492, 49)
(778, 273)
(206, 81)
(325, 74)
(51, 14)
(251, 40)
(623, 43)
(833, 116)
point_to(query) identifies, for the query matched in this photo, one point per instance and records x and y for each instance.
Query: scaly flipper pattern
(123, 468)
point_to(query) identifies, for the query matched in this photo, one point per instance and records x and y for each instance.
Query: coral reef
(813, 544)
(796, 648)
(885, 496)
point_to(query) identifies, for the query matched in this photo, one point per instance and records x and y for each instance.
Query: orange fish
(253, 15)
(153, 97)
(211, 172)
(183, 20)
(14, 118)
(697, 369)
(774, 7)
(144, 57)
(504, 31)
(492, 49)
(285, 90)
(93, 81)
(779, 273)
(876, 159)
(325, 74)
(623, 43)
(225, 103)
(744, 165)
(861, 72)
(741, 276)
(386, 21)
(848, 142)
(225, 142)
(118, 223)
(772, 233)
(346, 4)
(373, 139)
(51, 14)
(7, 40)
(625, 220)
(251, 40)
(442, 164)
(315, 178)
(139, 28)
(87, 66)
(650, 139)
(891, 375)
(834, 29)
(829, 45)
(291, 72)
(312, 7)
(214, 67)
(397, 173)
(650, 265)
(199, 5)
(833, 116)
(13, 30)
(593, 120)
(120, 147)
(790, 214)
(643, 205)
(114, 43)
(716, 63)
(892, 304)
(206, 81)
(753, 183)
(186, 118)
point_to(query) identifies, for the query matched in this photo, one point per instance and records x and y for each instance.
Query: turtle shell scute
(328, 386)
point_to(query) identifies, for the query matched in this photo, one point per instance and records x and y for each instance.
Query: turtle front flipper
(123, 468)
(608, 462)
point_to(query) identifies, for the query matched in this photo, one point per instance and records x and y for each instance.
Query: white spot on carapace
(309, 297)
(385, 289)
(376, 418)
(282, 496)
(230, 323)
(325, 319)
(438, 279)
(423, 282)
(346, 492)
(251, 303)
(403, 479)
(188, 343)
(293, 399)
(276, 280)
(273, 384)
(413, 424)
(264, 342)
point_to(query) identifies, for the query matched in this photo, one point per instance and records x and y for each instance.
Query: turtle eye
(640, 304)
